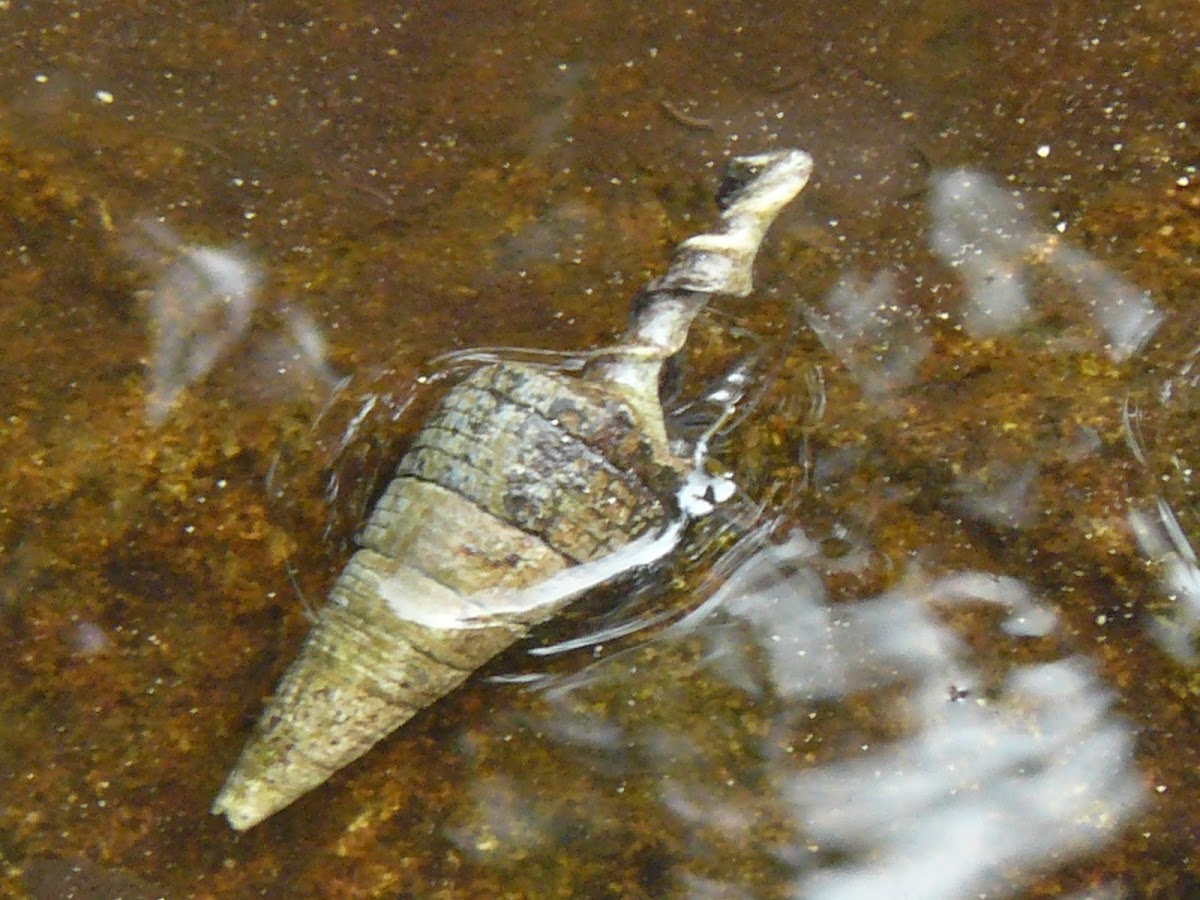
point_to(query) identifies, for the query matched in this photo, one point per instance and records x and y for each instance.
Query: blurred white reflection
(1164, 542)
(873, 335)
(1037, 773)
(986, 784)
(987, 235)
(294, 358)
(1027, 617)
(808, 643)
(199, 306)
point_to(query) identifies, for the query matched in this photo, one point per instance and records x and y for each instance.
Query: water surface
(963, 616)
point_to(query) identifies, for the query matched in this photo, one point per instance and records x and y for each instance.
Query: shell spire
(524, 485)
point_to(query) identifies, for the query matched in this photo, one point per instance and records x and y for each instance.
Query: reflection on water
(1039, 773)
(899, 760)
(199, 307)
(988, 236)
(200, 304)
(1161, 536)
(454, 175)
(1167, 547)
(872, 333)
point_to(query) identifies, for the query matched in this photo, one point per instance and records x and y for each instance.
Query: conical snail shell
(520, 474)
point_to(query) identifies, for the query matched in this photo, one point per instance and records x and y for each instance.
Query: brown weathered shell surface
(556, 457)
(520, 474)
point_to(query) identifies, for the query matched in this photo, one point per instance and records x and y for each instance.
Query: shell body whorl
(519, 474)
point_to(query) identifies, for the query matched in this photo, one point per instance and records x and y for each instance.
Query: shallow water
(953, 648)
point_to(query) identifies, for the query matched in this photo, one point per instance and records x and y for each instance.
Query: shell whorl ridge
(519, 475)
(557, 457)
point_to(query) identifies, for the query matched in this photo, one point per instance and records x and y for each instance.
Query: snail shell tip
(246, 803)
